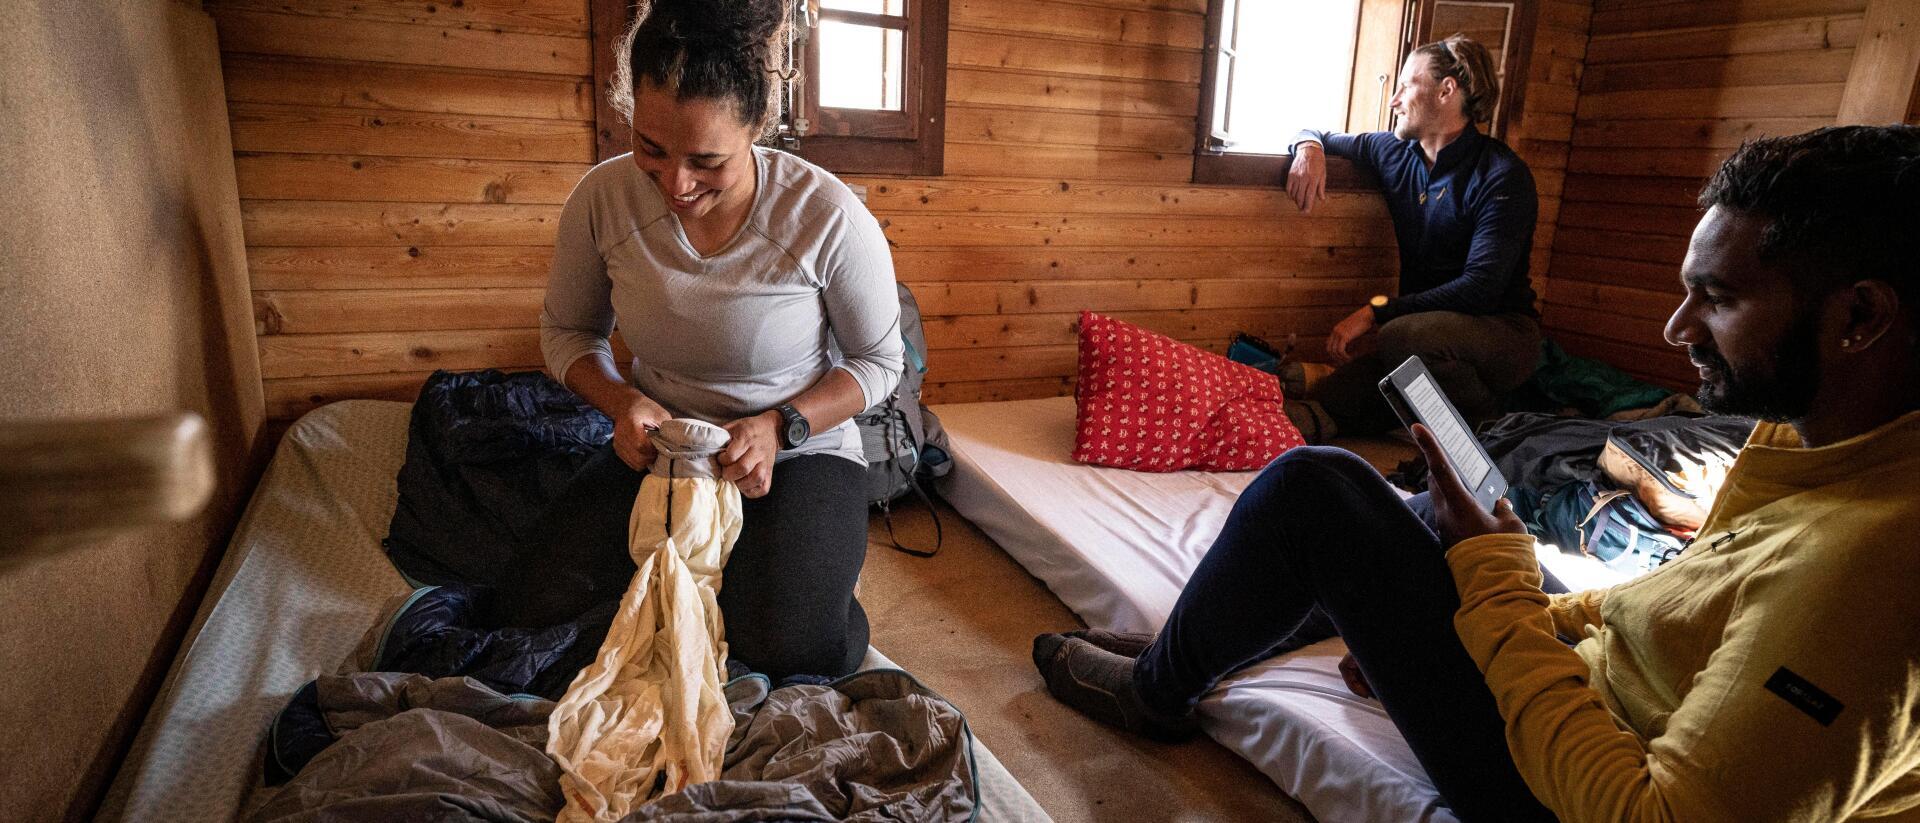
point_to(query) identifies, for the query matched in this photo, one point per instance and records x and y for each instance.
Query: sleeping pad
(445, 714)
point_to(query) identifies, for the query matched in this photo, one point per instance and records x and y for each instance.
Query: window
(867, 88)
(1264, 95)
(1274, 68)
(859, 59)
(871, 93)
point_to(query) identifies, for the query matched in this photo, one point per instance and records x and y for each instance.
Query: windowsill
(1229, 169)
(872, 155)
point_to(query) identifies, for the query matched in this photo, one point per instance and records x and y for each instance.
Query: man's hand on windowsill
(1307, 176)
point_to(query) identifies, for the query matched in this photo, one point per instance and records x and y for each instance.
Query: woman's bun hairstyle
(730, 24)
(705, 49)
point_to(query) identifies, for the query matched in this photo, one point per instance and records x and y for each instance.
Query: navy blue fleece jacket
(1465, 226)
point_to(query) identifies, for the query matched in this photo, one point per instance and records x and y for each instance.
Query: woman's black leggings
(786, 594)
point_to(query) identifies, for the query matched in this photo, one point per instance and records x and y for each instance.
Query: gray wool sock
(1125, 644)
(1315, 424)
(1099, 684)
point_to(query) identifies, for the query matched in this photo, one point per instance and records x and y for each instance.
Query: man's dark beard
(1784, 393)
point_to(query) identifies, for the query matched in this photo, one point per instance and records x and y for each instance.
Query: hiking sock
(1312, 419)
(1099, 684)
(1293, 378)
(1125, 644)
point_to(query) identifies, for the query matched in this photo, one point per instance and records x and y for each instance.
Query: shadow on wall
(125, 293)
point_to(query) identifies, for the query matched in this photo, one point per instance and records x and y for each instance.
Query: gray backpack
(901, 438)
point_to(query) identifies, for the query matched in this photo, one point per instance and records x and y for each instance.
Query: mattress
(1116, 547)
(302, 580)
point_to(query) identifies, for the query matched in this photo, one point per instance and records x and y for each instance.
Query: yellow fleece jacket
(1771, 672)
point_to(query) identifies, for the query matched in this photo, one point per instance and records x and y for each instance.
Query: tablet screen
(1454, 438)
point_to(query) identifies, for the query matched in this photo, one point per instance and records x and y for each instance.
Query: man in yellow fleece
(1771, 673)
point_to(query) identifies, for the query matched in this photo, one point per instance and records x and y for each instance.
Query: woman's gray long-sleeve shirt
(733, 334)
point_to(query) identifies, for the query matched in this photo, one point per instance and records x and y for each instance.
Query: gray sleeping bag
(875, 745)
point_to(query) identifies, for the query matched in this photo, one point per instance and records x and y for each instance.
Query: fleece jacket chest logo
(1805, 696)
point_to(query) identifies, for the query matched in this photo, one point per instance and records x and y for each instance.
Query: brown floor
(963, 622)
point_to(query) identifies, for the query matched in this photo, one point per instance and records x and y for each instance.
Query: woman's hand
(630, 439)
(1455, 512)
(748, 458)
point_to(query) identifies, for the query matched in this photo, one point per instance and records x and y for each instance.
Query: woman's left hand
(748, 458)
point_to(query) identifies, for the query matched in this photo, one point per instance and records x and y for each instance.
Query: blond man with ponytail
(1463, 207)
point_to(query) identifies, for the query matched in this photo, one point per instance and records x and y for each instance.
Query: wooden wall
(1070, 130)
(1913, 106)
(122, 294)
(1069, 151)
(1671, 88)
(1913, 103)
(1913, 100)
(1544, 130)
(401, 169)
(401, 165)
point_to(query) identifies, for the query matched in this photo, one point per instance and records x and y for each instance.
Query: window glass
(1291, 68)
(860, 66)
(892, 7)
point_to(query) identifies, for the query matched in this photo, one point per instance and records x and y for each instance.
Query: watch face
(796, 430)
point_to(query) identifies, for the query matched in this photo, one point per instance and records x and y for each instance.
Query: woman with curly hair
(733, 273)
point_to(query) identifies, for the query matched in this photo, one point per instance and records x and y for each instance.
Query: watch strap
(788, 417)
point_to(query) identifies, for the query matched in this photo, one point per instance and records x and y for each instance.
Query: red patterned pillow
(1150, 403)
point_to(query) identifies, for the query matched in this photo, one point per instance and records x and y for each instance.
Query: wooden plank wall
(1069, 151)
(1070, 129)
(401, 166)
(1544, 132)
(1671, 88)
(1913, 108)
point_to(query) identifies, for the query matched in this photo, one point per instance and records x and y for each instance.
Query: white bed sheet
(1116, 547)
(302, 580)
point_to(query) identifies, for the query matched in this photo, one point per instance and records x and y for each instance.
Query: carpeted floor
(964, 621)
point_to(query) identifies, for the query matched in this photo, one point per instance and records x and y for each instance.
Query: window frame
(844, 141)
(909, 142)
(1518, 60)
(1214, 166)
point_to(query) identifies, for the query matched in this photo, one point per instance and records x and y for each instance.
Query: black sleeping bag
(486, 452)
(441, 632)
(1541, 452)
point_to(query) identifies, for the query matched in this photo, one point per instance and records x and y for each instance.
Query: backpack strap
(1600, 502)
(914, 422)
(939, 534)
(886, 506)
(914, 359)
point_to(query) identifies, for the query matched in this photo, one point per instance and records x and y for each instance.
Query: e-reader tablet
(1416, 398)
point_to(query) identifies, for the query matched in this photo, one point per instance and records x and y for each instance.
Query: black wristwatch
(794, 428)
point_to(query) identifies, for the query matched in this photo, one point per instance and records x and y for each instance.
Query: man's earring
(1846, 342)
